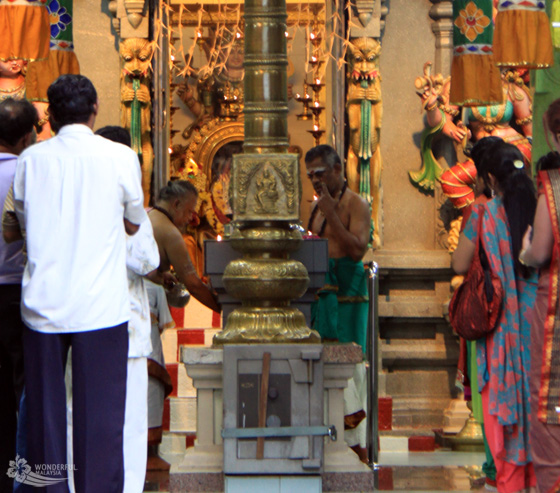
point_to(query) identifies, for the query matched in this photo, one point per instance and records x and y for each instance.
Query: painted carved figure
(476, 122)
(364, 107)
(12, 79)
(136, 104)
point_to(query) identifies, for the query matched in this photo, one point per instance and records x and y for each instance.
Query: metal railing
(372, 363)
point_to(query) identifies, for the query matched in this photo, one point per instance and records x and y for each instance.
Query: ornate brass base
(258, 325)
(265, 280)
(469, 439)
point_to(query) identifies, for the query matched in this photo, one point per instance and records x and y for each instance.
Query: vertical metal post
(335, 127)
(265, 187)
(372, 354)
(161, 100)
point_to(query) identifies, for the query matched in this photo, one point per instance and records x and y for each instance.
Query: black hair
(17, 119)
(552, 117)
(479, 154)
(505, 162)
(115, 133)
(72, 99)
(327, 154)
(176, 189)
(549, 161)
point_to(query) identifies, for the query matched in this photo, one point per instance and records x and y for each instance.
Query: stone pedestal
(343, 470)
(202, 467)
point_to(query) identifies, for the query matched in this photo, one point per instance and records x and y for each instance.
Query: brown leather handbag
(476, 305)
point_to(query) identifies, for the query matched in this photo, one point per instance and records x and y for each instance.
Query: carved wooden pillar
(442, 14)
(131, 22)
(364, 173)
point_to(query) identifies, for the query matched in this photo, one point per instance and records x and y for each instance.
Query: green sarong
(341, 310)
(489, 467)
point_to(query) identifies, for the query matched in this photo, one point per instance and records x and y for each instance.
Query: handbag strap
(484, 262)
(480, 247)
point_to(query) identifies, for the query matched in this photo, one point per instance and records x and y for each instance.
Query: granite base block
(348, 481)
(197, 482)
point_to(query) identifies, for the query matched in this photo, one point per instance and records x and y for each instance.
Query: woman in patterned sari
(503, 355)
(544, 251)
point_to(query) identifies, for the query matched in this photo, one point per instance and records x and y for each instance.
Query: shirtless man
(339, 214)
(341, 311)
(175, 207)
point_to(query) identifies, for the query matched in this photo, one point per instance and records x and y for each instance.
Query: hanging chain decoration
(227, 26)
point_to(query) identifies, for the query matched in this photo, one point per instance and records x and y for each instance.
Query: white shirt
(71, 193)
(142, 257)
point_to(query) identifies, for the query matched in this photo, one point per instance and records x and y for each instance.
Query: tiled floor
(439, 471)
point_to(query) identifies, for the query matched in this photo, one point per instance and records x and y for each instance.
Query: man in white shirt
(76, 194)
(142, 258)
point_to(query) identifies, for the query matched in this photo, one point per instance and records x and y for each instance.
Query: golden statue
(267, 192)
(136, 103)
(365, 110)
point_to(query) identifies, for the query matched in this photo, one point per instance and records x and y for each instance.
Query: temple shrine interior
(365, 77)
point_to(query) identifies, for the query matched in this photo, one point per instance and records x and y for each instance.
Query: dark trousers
(11, 376)
(99, 359)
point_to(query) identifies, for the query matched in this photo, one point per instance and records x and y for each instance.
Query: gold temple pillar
(265, 195)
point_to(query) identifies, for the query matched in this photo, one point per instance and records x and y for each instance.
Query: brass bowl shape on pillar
(265, 195)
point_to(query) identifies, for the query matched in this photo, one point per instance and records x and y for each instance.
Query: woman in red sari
(544, 251)
(503, 358)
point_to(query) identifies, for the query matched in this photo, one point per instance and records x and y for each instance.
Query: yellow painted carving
(364, 84)
(136, 55)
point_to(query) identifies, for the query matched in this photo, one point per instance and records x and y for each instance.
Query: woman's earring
(492, 193)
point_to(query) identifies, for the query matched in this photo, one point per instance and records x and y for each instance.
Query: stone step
(410, 307)
(412, 260)
(434, 478)
(424, 412)
(436, 383)
(434, 353)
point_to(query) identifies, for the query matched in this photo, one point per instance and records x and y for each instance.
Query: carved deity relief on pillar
(136, 104)
(461, 128)
(465, 126)
(365, 110)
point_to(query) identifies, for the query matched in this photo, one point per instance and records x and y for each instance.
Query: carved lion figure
(136, 104)
(365, 110)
